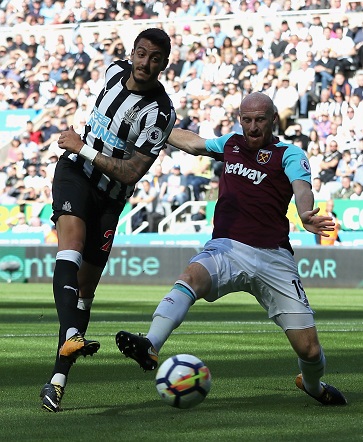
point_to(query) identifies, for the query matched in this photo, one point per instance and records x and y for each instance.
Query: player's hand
(70, 140)
(317, 224)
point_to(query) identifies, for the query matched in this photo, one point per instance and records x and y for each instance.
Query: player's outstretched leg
(139, 348)
(329, 396)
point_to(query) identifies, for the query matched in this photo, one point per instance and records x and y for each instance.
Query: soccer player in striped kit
(132, 118)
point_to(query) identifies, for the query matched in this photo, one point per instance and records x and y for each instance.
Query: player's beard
(150, 79)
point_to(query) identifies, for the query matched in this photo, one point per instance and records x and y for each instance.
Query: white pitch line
(186, 333)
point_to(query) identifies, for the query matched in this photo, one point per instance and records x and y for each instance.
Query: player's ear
(132, 54)
(275, 118)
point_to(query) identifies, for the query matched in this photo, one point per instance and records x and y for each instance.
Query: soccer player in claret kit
(250, 249)
(131, 121)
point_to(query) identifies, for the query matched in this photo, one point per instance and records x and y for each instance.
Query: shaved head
(257, 102)
(257, 116)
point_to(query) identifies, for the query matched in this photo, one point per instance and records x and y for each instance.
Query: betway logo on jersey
(238, 169)
(99, 124)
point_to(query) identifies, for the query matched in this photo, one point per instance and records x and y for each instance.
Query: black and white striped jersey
(124, 121)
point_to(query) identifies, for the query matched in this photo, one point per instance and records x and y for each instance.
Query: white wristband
(88, 153)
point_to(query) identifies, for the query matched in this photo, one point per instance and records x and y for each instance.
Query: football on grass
(183, 381)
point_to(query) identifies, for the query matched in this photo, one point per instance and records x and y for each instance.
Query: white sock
(160, 330)
(312, 372)
(168, 315)
(59, 379)
(85, 303)
(70, 332)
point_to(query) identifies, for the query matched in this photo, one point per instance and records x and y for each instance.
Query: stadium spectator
(260, 60)
(320, 191)
(13, 150)
(218, 34)
(329, 165)
(154, 211)
(277, 48)
(27, 146)
(350, 120)
(52, 159)
(237, 37)
(165, 161)
(33, 179)
(27, 195)
(183, 109)
(286, 100)
(345, 191)
(7, 197)
(191, 65)
(176, 63)
(158, 177)
(322, 125)
(226, 68)
(174, 192)
(324, 105)
(294, 133)
(20, 164)
(166, 12)
(314, 141)
(35, 134)
(64, 82)
(224, 266)
(285, 70)
(325, 68)
(346, 166)
(227, 48)
(45, 195)
(239, 64)
(341, 84)
(217, 111)
(233, 97)
(358, 192)
(304, 79)
(344, 50)
(206, 127)
(33, 225)
(49, 132)
(193, 85)
(339, 106)
(18, 222)
(200, 175)
(291, 56)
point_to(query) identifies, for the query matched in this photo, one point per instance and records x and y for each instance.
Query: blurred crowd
(313, 70)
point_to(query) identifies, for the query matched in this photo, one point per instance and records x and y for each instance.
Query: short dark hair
(158, 37)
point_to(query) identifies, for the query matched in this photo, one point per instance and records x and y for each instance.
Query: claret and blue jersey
(255, 190)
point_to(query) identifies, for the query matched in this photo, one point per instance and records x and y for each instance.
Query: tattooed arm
(128, 171)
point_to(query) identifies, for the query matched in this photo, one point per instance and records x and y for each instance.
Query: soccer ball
(183, 381)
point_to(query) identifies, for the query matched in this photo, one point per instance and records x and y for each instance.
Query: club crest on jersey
(263, 156)
(154, 135)
(131, 115)
(305, 165)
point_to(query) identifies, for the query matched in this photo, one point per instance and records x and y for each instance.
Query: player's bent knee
(198, 278)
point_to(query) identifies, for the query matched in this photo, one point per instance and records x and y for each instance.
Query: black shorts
(74, 194)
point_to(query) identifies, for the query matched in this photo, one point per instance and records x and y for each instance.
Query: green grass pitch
(109, 398)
